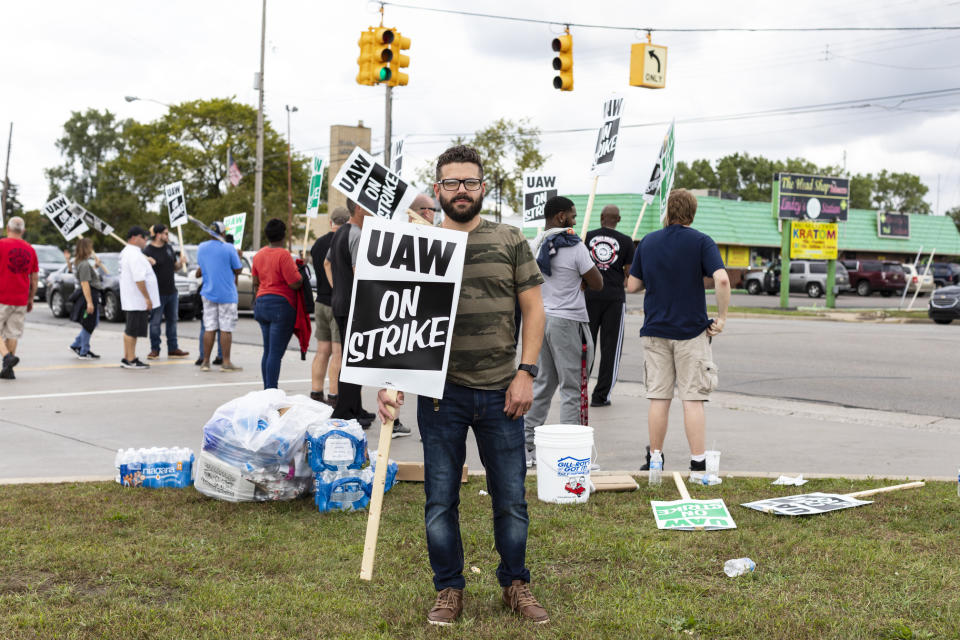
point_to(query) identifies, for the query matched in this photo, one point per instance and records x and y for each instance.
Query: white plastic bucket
(564, 454)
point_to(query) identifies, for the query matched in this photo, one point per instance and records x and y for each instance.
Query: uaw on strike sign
(374, 187)
(537, 189)
(69, 222)
(403, 306)
(607, 137)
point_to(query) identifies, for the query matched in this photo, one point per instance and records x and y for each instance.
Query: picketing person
(139, 294)
(670, 264)
(567, 269)
(327, 359)
(484, 390)
(86, 309)
(165, 264)
(19, 276)
(219, 265)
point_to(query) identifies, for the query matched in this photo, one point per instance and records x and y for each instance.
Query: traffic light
(563, 62)
(365, 61)
(382, 53)
(399, 61)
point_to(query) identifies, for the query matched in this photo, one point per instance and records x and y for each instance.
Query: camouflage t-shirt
(498, 266)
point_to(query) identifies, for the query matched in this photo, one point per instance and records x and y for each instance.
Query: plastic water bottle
(656, 468)
(738, 567)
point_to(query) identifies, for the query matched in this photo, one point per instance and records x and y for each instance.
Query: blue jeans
(202, 331)
(169, 307)
(500, 440)
(82, 341)
(276, 317)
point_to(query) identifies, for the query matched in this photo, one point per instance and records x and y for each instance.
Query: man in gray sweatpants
(566, 266)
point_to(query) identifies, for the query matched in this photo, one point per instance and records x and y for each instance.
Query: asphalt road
(911, 368)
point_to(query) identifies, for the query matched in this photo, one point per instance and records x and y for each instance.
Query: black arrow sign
(655, 57)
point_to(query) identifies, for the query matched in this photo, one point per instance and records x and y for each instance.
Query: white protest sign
(537, 189)
(316, 185)
(656, 176)
(234, 226)
(690, 515)
(69, 223)
(374, 187)
(607, 137)
(396, 158)
(91, 220)
(806, 504)
(176, 203)
(403, 306)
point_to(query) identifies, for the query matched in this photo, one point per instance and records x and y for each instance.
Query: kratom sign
(813, 240)
(691, 515)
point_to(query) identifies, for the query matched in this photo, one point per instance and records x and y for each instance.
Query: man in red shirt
(18, 286)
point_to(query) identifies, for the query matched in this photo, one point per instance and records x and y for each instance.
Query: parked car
(62, 282)
(918, 281)
(945, 273)
(50, 259)
(245, 280)
(944, 305)
(806, 276)
(867, 276)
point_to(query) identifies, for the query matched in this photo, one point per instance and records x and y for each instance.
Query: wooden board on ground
(614, 483)
(413, 472)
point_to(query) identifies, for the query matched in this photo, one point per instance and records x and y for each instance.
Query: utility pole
(388, 127)
(289, 181)
(258, 186)
(6, 178)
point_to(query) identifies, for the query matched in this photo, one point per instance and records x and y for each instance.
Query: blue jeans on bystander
(169, 307)
(81, 344)
(443, 428)
(276, 317)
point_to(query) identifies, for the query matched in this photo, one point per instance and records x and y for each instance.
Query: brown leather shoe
(447, 608)
(178, 353)
(518, 597)
(153, 355)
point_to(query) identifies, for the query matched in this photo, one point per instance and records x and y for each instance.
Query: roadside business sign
(373, 186)
(813, 240)
(176, 203)
(805, 197)
(690, 515)
(607, 137)
(68, 222)
(537, 189)
(234, 226)
(403, 306)
(806, 504)
(893, 225)
(316, 183)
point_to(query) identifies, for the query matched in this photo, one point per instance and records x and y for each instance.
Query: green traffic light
(384, 74)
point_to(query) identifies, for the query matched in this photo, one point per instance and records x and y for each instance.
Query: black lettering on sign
(540, 182)
(382, 192)
(607, 142)
(54, 205)
(427, 256)
(354, 173)
(399, 325)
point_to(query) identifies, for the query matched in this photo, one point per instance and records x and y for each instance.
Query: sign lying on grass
(537, 189)
(689, 515)
(70, 224)
(806, 504)
(176, 203)
(403, 306)
(374, 187)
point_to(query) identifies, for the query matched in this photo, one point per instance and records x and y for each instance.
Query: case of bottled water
(156, 467)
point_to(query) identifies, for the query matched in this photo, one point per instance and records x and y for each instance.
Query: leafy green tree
(900, 192)
(954, 214)
(90, 140)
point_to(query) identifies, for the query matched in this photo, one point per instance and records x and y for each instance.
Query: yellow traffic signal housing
(648, 65)
(563, 62)
(399, 61)
(383, 38)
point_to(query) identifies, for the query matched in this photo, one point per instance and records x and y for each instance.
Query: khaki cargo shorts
(327, 329)
(11, 321)
(686, 364)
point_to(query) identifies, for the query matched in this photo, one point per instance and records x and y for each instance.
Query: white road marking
(181, 387)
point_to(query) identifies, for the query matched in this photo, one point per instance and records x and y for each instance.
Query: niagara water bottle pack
(254, 447)
(154, 468)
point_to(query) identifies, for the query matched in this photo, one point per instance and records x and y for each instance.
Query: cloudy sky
(465, 72)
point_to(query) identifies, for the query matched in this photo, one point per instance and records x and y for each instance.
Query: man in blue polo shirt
(219, 266)
(671, 264)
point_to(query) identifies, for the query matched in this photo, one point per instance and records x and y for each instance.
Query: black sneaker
(76, 350)
(218, 360)
(698, 466)
(646, 467)
(199, 361)
(318, 396)
(365, 423)
(135, 364)
(93, 355)
(400, 430)
(7, 374)
(365, 415)
(9, 362)
(84, 356)
(599, 403)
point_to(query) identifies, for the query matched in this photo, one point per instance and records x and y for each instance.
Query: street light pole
(258, 182)
(289, 181)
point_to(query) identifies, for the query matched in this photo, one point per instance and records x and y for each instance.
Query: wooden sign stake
(896, 487)
(586, 216)
(636, 227)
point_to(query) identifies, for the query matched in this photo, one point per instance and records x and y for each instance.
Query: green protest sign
(235, 225)
(668, 165)
(316, 181)
(688, 515)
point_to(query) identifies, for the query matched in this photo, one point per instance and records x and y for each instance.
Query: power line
(665, 29)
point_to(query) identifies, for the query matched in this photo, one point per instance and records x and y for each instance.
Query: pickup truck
(867, 276)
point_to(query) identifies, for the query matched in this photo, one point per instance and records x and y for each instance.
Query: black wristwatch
(529, 368)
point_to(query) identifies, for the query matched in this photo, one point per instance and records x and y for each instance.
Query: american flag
(233, 171)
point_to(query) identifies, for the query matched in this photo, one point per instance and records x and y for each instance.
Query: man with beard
(485, 390)
(567, 269)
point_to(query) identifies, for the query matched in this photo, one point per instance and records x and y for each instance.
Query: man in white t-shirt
(139, 294)
(567, 268)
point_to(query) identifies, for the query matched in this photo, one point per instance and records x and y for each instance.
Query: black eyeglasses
(434, 209)
(452, 184)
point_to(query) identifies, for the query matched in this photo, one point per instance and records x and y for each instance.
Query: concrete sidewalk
(64, 419)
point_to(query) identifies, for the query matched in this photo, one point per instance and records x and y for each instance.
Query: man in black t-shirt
(611, 252)
(165, 264)
(327, 332)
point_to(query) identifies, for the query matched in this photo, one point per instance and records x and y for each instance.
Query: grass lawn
(920, 314)
(101, 561)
